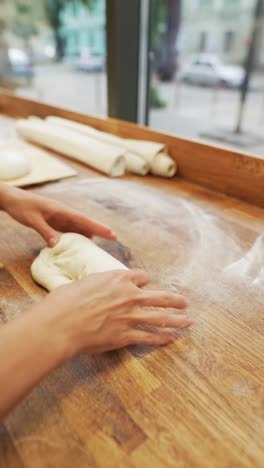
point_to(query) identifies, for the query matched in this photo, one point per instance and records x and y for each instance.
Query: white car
(20, 63)
(91, 61)
(208, 70)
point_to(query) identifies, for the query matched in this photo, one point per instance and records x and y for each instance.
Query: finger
(150, 337)
(97, 229)
(47, 232)
(163, 299)
(86, 226)
(161, 319)
(138, 277)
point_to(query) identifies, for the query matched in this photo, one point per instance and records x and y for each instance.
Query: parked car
(20, 63)
(208, 70)
(90, 61)
(44, 52)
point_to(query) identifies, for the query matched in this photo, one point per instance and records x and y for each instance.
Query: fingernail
(187, 302)
(171, 337)
(52, 241)
(189, 321)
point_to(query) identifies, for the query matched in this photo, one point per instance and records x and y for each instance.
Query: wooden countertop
(195, 403)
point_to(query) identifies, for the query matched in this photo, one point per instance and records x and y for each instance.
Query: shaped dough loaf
(73, 258)
(94, 153)
(13, 164)
(153, 153)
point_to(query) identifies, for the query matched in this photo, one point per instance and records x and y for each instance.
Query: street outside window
(54, 51)
(207, 77)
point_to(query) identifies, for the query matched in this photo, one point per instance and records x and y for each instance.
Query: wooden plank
(206, 391)
(229, 172)
(13, 298)
(9, 455)
(17, 282)
(106, 414)
(183, 430)
(41, 433)
(132, 380)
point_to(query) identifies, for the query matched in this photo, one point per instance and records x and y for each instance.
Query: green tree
(23, 23)
(54, 9)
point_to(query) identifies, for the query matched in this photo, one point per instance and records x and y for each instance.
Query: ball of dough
(13, 164)
(71, 259)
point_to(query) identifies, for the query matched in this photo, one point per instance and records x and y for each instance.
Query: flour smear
(209, 258)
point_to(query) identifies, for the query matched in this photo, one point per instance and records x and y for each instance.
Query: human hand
(99, 313)
(48, 216)
(104, 311)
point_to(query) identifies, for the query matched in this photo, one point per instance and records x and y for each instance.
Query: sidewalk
(191, 111)
(63, 85)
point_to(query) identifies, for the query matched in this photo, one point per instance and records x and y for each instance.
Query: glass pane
(202, 51)
(54, 51)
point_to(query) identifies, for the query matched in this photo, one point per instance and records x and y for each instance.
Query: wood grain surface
(229, 172)
(198, 402)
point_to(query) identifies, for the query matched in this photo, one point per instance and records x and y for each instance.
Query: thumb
(47, 232)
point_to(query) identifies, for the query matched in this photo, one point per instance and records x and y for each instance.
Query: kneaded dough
(71, 259)
(13, 164)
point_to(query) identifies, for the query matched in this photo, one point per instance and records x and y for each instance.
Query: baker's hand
(105, 311)
(48, 217)
(101, 312)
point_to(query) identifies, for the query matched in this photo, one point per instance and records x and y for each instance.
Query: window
(58, 55)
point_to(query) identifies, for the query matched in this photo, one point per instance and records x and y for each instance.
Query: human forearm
(30, 348)
(99, 313)
(7, 194)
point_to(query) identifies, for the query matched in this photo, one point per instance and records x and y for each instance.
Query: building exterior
(84, 28)
(222, 27)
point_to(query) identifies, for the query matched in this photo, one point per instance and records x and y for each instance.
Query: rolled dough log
(153, 153)
(73, 258)
(94, 153)
(134, 163)
(163, 165)
(13, 164)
